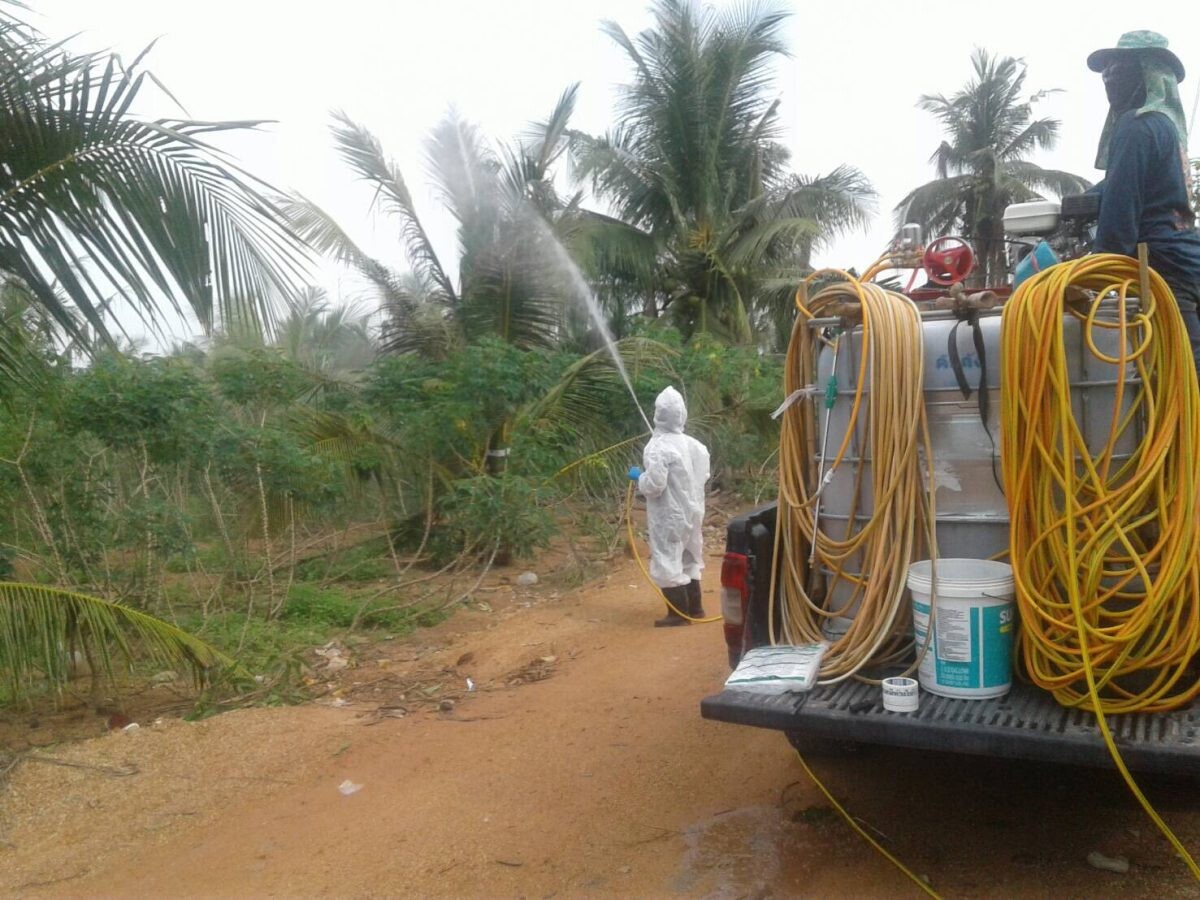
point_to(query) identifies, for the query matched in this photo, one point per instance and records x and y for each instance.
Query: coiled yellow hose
(871, 557)
(1105, 550)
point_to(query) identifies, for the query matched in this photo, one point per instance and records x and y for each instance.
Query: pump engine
(1068, 227)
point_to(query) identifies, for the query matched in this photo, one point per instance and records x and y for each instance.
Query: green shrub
(162, 405)
(508, 511)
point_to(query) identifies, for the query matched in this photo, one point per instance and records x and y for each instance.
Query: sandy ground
(579, 765)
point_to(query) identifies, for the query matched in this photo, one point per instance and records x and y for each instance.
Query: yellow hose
(871, 560)
(862, 832)
(1105, 550)
(633, 546)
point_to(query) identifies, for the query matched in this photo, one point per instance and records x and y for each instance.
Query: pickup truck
(1027, 723)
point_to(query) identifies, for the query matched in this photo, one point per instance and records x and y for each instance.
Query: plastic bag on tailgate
(777, 670)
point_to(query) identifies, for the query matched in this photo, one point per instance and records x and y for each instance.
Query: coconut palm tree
(510, 283)
(983, 165)
(96, 202)
(515, 280)
(696, 170)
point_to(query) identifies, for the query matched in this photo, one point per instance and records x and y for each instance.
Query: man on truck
(1145, 195)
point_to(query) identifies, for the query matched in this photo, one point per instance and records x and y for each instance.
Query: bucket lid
(975, 577)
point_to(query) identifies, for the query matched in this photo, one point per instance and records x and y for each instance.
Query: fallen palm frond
(42, 628)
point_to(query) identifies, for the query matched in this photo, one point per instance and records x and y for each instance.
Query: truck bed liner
(1026, 724)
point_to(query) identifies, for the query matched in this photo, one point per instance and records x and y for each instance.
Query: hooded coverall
(676, 469)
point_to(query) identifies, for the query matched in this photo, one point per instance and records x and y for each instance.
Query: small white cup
(900, 695)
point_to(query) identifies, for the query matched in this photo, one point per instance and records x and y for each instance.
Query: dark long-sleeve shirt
(1144, 197)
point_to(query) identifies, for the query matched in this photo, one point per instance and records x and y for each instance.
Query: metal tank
(972, 513)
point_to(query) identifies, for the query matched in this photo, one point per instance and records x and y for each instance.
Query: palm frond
(329, 341)
(402, 296)
(749, 248)
(40, 627)
(415, 324)
(27, 335)
(583, 394)
(1055, 181)
(362, 150)
(321, 230)
(618, 35)
(935, 206)
(338, 436)
(514, 293)
(600, 457)
(841, 201)
(464, 172)
(547, 140)
(635, 185)
(1041, 134)
(607, 247)
(94, 201)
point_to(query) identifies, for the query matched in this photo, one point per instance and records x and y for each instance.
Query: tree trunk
(496, 464)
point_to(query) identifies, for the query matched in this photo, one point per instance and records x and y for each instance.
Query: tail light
(735, 596)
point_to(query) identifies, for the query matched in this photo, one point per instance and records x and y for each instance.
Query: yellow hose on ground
(862, 832)
(870, 562)
(1105, 549)
(633, 546)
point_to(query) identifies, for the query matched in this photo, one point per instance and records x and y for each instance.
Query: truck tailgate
(1026, 724)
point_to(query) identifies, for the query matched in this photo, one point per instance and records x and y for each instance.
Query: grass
(337, 607)
(325, 599)
(312, 617)
(278, 651)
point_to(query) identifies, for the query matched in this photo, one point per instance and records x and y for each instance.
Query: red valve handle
(948, 260)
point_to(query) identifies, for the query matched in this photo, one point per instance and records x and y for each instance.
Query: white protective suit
(675, 473)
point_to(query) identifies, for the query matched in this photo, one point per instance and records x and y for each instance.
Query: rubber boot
(679, 599)
(695, 603)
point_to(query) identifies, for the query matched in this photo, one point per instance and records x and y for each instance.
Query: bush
(481, 513)
(162, 405)
(259, 377)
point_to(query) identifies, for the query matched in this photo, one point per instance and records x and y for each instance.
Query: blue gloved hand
(634, 473)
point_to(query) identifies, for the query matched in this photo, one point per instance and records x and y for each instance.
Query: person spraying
(675, 472)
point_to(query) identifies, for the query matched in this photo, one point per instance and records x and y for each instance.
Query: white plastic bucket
(972, 647)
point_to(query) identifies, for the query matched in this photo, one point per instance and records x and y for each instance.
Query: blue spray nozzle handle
(634, 473)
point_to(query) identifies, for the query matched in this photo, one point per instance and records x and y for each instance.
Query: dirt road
(579, 765)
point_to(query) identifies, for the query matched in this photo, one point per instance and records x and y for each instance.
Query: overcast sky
(848, 93)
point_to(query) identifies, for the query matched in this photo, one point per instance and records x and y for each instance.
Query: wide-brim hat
(1137, 43)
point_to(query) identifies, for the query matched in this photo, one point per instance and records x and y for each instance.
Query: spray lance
(830, 395)
(824, 478)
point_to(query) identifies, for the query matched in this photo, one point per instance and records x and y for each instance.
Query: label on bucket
(971, 648)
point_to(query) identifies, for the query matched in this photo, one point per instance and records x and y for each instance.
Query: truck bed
(1026, 724)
